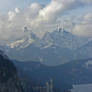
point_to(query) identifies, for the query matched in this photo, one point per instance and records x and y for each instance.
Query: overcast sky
(43, 15)
(6, 5)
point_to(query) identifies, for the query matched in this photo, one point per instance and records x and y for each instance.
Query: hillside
(8, 75)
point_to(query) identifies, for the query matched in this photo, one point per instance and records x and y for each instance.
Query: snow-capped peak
(59, 37)
(28, 39)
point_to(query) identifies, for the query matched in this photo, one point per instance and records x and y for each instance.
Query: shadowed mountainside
(8, 75)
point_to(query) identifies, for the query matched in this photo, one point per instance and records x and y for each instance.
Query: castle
(47, 88)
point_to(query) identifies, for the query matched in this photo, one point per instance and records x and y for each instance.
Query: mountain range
(54, 48)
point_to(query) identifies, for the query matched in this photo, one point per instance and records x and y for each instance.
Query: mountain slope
(85, 51)
(63, 39)
(53, 55)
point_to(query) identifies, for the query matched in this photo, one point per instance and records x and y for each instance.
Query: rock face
(8, 75)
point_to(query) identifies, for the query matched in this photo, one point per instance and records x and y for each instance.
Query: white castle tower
(47, 87)
(51, 85)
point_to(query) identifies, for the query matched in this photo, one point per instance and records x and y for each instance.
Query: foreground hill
(8, 76)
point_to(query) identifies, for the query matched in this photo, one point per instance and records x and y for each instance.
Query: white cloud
(17, 10)
(38, 18)
(12, 14)
(84, 29)
(87, 18)
(52, 11)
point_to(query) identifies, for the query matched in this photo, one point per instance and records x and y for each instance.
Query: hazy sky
(44, 15)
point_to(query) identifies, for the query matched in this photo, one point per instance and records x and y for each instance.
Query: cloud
(86, 1)
(12, 14)
(87, 18)
(38, 18)
(55, 8)
(84, 29)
